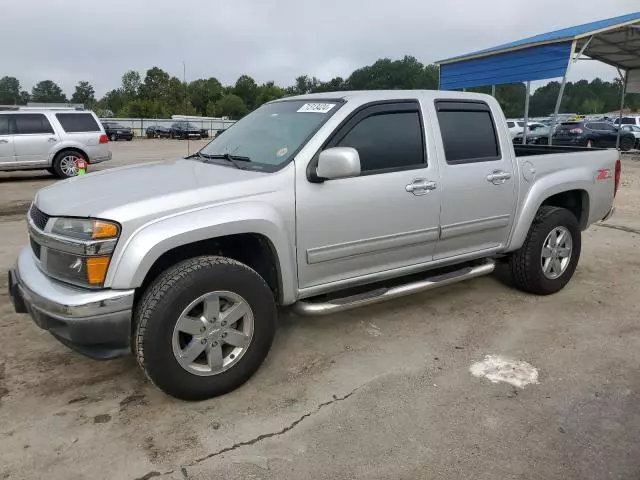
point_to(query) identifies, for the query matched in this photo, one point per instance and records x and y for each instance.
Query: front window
(272, 134)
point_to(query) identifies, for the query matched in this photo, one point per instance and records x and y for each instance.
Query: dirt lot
(380, 392)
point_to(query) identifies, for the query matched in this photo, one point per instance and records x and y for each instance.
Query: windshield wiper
(232, 159)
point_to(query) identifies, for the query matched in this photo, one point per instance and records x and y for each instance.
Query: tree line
(158, 94)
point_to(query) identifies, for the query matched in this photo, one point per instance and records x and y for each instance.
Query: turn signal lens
(97, 269)
(104, 230)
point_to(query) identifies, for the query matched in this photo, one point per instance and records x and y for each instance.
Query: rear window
(628, 121)
(468, 132)
(511, 124)
(78, 122)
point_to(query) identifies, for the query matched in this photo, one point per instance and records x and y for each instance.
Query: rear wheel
(547, 260)
(204, 327)
(65, 164)
(627, 144)
(113, 137)
(591, 144)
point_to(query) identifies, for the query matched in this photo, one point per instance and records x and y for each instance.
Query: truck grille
(39, 218)
(35, 247)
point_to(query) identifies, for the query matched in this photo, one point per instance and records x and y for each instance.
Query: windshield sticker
(282, 152)
(316, 107)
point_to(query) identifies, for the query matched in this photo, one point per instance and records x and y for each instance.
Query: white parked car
(515, 127)
(635, 130)
(51, 139)
(630, 120)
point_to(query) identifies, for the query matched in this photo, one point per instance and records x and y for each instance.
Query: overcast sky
(71, 40)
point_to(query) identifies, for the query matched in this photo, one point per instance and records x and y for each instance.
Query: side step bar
(306, 307)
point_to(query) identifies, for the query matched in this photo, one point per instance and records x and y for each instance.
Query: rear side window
(32, 123)
(4, 124)
(468, 132)
(628, 121)
(511, 124)
(387, 141)
(78, 122)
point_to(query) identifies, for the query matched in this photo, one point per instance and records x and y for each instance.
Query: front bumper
(94, 323)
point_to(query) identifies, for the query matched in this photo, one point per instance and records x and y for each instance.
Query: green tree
(47, 91)
(9, 91)
(25, 97)
(204, 91)
(334, 85)
(84, 94)
(212, 109)
(231, 106)
(113, 100)
(407, 73)
(268, 92)
(247, 89)
(155, 85)
(131, 83)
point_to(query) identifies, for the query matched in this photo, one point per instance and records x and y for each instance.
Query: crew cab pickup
(320, 202)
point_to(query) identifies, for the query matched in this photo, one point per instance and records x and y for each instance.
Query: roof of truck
(375, 95)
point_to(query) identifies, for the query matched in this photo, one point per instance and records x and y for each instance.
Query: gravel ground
(379, 392)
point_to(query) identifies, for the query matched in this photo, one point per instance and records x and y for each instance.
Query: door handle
(53, 140)
(498, 177)
(4, 141)
(421, 186)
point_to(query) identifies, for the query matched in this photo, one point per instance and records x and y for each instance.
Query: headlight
(79, 250)
(85, 229)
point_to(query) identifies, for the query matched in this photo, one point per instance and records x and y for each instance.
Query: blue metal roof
(564, 34)
(535, 63)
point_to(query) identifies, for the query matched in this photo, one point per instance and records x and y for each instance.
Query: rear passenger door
(477, 177)
(34, 139)
(6, 142)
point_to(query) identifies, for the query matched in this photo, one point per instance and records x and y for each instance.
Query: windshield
(273, 133)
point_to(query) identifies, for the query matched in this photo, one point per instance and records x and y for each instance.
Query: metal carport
(615, 41)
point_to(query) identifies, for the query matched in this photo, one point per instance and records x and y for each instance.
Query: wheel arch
(251, 233)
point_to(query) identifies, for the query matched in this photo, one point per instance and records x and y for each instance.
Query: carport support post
(493, 91)
(562, 85)
(624, 79)
(526, 114)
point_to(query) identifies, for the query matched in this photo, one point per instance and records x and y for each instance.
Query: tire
(129, 139)
(113, 137)
(52, 171)
(62, 161)
(626, 144)
(591, 144)
(170, 298)
(526, 264)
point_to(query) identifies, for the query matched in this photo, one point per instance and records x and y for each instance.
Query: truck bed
(530, 150)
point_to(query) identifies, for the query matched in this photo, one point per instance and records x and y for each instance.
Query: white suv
(51, 139)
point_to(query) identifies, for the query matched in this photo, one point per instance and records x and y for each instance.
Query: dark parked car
(204, 133)
(115, 131)
(156, 131)
(592, 134)
(185, 130)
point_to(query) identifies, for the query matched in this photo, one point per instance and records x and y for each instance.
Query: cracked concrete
(335, 401)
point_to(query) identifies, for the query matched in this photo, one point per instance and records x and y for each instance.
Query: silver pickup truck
(320, 202)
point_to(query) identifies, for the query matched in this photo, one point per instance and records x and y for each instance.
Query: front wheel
(204, 327)
(547, 260)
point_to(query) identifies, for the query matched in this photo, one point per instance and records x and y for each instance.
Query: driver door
(351, 227)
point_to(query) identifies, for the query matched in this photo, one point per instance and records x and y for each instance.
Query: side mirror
(338, 162)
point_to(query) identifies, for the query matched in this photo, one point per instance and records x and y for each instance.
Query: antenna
(184, 79)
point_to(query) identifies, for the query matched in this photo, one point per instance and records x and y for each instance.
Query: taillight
(617, 176)
(576, 131)
(104, 139)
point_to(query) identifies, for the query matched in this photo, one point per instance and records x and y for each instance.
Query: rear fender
(547, 186)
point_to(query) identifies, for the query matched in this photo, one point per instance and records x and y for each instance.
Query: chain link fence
(140, 125)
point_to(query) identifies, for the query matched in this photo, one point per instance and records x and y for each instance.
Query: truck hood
(150, 189)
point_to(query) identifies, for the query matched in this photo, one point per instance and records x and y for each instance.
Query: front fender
(144, 246)
(543, 188)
